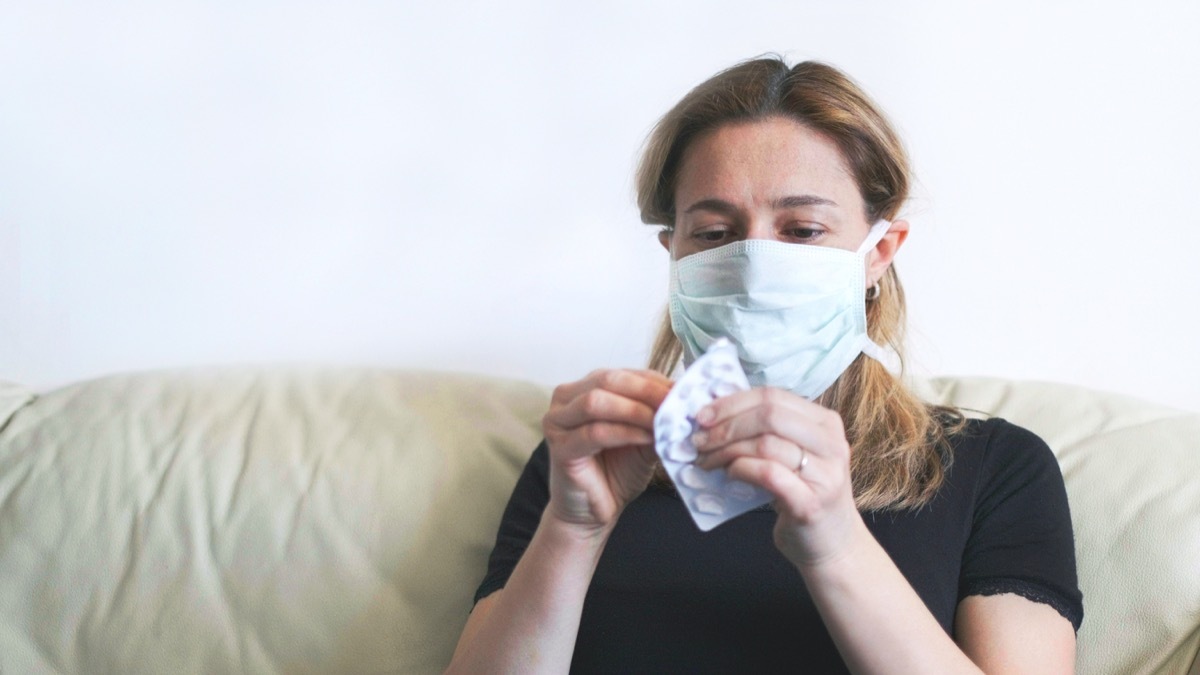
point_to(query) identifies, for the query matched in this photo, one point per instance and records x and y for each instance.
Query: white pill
(739, 490)
(695, 477)
(719, 389)
(709, 504)
(683, 451)
(673, 428)
(719, 368)
(698, 399)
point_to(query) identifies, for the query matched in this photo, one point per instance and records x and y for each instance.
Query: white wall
(447, 185)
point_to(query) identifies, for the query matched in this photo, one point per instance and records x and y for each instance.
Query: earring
(873, 292)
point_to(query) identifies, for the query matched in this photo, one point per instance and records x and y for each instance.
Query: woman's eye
(801, 233)
(711, 236)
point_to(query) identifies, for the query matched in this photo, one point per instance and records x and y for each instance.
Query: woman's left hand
(796, 450)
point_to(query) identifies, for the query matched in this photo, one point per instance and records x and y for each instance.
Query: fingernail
(699, 438)
(705, 415)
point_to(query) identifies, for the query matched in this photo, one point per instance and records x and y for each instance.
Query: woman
(902, 538)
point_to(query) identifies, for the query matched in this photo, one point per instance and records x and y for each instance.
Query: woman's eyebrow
(790, 202)
(715, 205)
(796, 201)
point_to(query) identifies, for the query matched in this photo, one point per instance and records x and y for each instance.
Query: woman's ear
(664, 238)
(880, 257)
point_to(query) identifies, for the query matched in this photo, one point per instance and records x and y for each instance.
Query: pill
(722, 369)
(681, 451)
(709, 504)
(672, 428)
(719, 389)
(739, 490)
(698, 398)
(695, 477)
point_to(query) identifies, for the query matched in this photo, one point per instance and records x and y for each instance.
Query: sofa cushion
(1132, 472)
(13, 397)
(247, 521)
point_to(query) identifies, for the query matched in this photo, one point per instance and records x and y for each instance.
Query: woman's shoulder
(998, 437)
(1002, 458)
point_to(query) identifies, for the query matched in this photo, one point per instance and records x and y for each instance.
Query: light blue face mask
(796, 312)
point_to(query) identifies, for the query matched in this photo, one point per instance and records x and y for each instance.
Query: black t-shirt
(667, 597)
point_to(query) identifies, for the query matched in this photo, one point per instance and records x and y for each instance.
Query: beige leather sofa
(338, 521)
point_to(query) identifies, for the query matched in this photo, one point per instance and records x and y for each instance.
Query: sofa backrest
(339, 521)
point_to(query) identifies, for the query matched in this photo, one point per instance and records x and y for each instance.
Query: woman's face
(771, 179)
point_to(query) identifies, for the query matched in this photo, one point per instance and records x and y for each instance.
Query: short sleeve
(1021, 538)
(519, 522)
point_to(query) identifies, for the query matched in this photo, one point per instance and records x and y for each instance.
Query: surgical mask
(796, 312)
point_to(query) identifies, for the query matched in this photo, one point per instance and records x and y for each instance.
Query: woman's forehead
(765, 162)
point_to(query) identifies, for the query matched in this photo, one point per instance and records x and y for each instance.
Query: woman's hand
(796, 450)
(600, 431)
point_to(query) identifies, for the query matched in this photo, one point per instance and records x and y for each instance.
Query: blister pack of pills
(712, 497)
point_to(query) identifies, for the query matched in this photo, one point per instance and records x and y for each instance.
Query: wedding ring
(803, 460)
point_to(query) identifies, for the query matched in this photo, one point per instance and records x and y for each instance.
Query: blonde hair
(900, 444)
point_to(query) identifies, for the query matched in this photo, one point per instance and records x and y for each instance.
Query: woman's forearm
(877, 620)
(530, 626)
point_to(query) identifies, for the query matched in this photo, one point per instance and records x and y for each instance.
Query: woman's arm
(1007, 633)
(530, 625)
(797, 450)
(881, 625)
(599, 432)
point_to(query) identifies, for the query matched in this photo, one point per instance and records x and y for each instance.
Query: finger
(766, 446)
(590, 439)
(742, 402)
(777, 412)
(600, 405)
(732, 405)
(789, 488)
(646, 386)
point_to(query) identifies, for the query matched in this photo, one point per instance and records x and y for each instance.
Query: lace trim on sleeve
(1069, 610)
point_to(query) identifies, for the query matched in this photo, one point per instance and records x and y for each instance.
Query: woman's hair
(901, 449)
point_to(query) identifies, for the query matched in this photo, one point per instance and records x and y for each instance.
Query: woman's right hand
(600, 431)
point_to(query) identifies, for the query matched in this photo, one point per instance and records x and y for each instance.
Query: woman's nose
(761, 229)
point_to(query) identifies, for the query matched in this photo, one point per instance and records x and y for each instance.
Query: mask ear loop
(874, 236)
